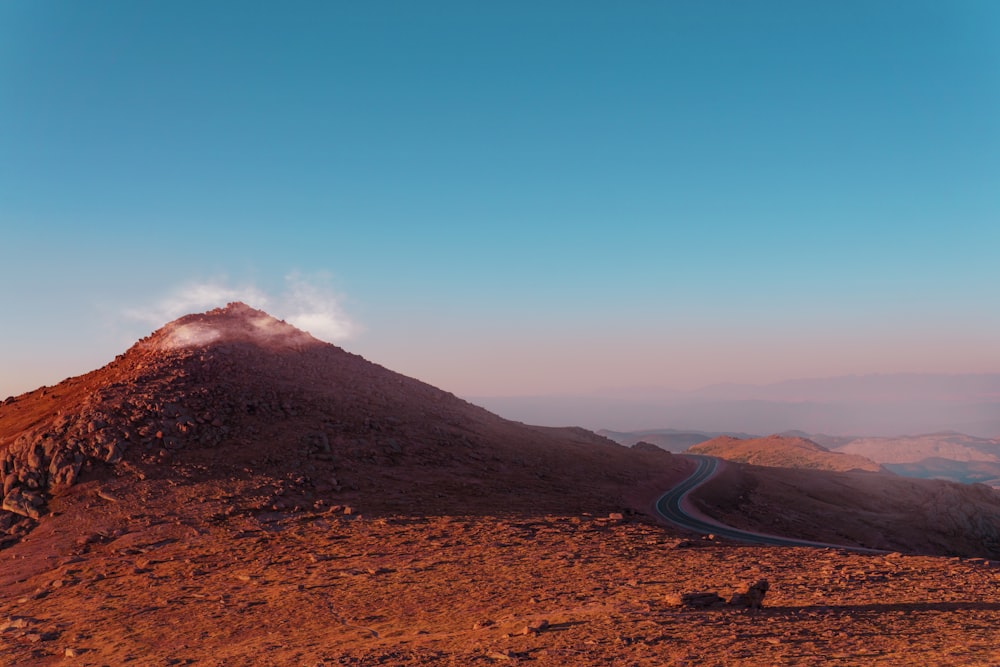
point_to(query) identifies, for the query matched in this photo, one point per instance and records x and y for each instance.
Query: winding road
(675, 507)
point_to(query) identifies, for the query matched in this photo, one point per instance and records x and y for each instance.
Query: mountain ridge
(783, 452)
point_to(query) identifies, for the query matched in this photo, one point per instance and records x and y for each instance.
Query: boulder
(24, 503)
(9, 482)
(66, 474)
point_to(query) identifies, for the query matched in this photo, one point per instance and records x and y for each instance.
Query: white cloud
(195, 298)
(307, 302)
(312, 305)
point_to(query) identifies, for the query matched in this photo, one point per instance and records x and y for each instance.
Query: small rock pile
(751, 599)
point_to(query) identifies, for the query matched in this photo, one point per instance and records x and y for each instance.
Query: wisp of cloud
(307, 302)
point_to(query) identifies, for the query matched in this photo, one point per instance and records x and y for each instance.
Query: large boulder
(24, 503)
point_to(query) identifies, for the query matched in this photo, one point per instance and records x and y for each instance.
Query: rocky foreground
(328, 588)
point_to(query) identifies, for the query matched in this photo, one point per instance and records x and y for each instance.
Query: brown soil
(174, 586)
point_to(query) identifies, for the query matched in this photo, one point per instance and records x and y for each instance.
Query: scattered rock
(107, 495)
(17, 623)
(9, 481)
(25, 503)
(535, 627)
(502, 655)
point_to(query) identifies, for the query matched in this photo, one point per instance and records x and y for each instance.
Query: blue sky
(509, 198)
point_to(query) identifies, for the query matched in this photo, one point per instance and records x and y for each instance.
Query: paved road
(671, 506)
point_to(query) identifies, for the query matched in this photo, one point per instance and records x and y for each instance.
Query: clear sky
(507, 198)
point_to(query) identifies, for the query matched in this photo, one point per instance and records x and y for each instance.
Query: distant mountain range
(954, 456)
(947, 455)
(870, 405)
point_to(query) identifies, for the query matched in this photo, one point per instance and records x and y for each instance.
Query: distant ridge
(672, 440)
(783, 452)
(868, 405)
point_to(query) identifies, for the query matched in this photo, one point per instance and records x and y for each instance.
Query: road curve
(673, 506)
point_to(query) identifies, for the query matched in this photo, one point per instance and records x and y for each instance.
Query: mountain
(235, 397)
(821, 439)
(675, 440)
(783, 452)
(949, 455)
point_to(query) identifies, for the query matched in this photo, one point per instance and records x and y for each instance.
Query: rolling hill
(783, 452)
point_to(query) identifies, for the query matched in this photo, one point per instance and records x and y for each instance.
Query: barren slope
(783, 452)
(873, 510)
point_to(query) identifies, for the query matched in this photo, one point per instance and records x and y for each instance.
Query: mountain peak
(236, 322)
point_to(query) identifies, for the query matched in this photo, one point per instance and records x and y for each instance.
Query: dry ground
(325, 588)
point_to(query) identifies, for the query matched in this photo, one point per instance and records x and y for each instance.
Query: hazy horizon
(860, 405)
(509, 200)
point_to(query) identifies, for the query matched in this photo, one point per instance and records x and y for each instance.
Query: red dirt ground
(233, 492)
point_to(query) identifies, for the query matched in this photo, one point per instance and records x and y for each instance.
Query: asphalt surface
(670, 507)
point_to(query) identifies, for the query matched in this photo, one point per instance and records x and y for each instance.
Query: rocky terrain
(231, 491)
(161, 586)
(783, 452)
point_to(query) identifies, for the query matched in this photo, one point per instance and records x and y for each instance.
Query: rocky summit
(231, 491)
